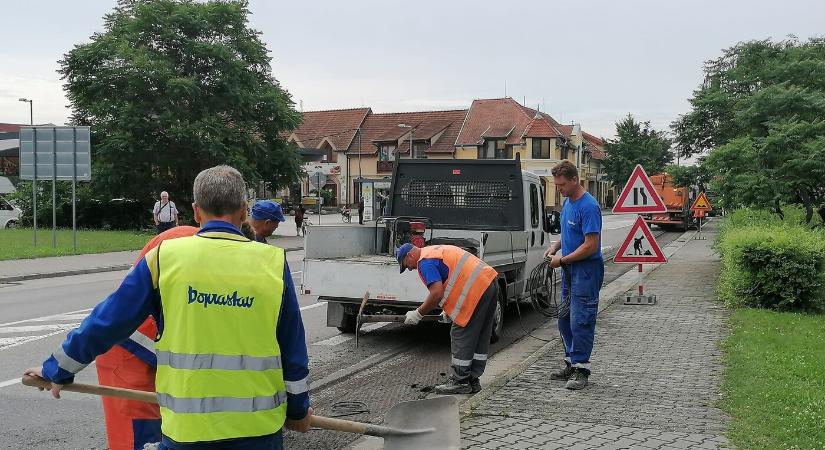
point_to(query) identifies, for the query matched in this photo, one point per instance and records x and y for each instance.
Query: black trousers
(163, 226)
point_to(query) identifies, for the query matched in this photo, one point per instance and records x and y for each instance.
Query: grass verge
(774, 387)
(18, 243)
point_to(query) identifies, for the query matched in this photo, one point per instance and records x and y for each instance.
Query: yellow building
(356, 147)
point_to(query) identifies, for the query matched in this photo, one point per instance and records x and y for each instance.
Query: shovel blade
(437, 413)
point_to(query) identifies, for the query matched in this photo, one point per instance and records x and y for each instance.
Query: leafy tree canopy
(635, 143)
(171, 87)
(760, 113)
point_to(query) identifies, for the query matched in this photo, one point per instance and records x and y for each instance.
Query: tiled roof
(440, 126)
(494, 117)
(539, 128)
(595, 145)
(339, 126)
(8, 127)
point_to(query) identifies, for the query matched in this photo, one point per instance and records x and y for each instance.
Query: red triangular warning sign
(640, 246)
(638, 195)
(701, 203)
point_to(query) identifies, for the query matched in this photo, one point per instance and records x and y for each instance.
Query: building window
(564, 151)
(329, 155)
(495, 149)
(541, 148)
(386, 152)
(419, 150)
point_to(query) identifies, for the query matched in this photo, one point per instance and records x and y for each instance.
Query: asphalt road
(393, 362)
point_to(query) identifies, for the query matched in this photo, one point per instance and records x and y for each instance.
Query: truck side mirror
(552, 224)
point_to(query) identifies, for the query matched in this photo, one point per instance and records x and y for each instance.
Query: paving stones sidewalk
(656, 375)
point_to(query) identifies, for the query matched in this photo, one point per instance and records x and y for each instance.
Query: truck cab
(491, 208)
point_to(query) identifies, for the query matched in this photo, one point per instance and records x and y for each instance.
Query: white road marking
(299, 271)
(34, 328)
(341, 338)
(28, 339)
(66, 317)
(45, 318)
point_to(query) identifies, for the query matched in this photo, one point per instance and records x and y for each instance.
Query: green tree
(171, 87)
(689, 176)
(635, 143)
(760, 117)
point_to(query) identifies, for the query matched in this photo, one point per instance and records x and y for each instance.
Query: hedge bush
(771, 263)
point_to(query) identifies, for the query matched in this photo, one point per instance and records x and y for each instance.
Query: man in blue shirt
(266, 216)
(582, 273)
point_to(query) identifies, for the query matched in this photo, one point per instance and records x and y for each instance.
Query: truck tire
(498, 318)
(347, 324)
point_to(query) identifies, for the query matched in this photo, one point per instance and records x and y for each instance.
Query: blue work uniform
(114, 319)
(581, 280)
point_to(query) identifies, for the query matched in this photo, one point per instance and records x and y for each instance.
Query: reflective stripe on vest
(219, 373)
(189, 361)
(220, 404)
(468, 278)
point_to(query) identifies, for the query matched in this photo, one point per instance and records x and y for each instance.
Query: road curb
(609, 294)
(72, 272)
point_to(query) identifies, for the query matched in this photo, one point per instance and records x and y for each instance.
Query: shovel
(431, 423)
(362, 318)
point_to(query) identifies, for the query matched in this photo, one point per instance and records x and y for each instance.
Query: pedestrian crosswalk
(21, 332)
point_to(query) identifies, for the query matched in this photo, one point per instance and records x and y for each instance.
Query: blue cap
(401, 253)
(268, 210)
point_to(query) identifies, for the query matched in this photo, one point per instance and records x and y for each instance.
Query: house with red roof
(357, 147)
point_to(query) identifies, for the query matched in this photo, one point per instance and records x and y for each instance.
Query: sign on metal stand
(639, 197)
(700, 207)
(67, 158)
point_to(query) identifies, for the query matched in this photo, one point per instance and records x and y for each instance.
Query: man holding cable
(582, 273)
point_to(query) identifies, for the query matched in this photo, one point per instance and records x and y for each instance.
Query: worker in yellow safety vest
(232, 362)
(466, 289)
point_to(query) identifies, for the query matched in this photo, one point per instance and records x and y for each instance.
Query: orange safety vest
(468, 279)
(130, 423)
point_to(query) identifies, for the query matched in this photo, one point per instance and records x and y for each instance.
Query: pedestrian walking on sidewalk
(361, 211)
(232, 361)
(165, 213)
(132, 364)
(300, 214)
(466, 289)
(582, 273)
(266, 216)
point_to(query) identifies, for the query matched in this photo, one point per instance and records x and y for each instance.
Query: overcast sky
(590, 62)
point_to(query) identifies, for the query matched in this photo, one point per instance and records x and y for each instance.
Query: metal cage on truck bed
(460, 194)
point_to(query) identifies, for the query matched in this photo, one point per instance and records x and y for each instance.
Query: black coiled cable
(544, 290)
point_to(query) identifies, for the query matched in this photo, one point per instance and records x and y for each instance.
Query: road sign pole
(54, 194)
(641, 288)
(74, 184)
(34, 183)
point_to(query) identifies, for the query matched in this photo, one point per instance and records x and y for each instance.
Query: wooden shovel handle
(327, 423)
(105, 391)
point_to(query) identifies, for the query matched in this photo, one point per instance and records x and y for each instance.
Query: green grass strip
(774, 387)
(18, 243)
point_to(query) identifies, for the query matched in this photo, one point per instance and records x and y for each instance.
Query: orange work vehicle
(676, 199)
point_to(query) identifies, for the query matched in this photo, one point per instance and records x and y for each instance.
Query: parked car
(9, 214)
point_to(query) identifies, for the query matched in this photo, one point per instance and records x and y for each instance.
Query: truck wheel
(347, 324)
(498, 319)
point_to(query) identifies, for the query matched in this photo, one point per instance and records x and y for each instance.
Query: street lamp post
(402, 125)
(34, 179)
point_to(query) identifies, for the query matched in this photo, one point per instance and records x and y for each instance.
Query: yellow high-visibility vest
(219, 373)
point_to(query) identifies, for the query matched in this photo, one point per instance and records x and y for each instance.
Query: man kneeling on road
(465, 288)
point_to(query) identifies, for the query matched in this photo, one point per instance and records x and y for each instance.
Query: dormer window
(386, 152)
(541, 148)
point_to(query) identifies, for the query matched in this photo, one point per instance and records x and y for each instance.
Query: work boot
(578, 380)
(475, 384)
(454, 387)
(563, 373)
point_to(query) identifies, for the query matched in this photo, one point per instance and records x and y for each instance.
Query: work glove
(444, 318)
(413, 317)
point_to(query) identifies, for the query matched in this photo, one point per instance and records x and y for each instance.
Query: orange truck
(677, 200)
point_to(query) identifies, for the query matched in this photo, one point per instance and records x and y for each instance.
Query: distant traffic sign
(638, 195)
(640, 247)
(61, 153)
(318, 179)
(701, 203)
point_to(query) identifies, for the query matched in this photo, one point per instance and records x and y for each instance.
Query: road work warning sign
(640, 247)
